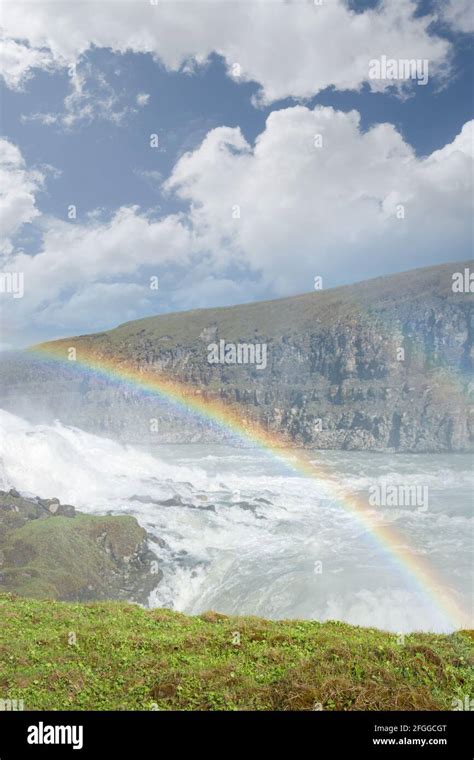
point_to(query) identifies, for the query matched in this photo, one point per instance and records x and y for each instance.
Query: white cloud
(290, 48)
(17, 196)
(307, 210)
(117, 302)
(74, 255)
(316, 195)
(459, 14)
(143, 98)
(48, 119)
(91, 97)
(462, 144)
(78, 269)
(18, 62)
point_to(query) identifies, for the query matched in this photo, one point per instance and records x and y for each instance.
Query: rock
(204, 508)
(86, 558)
(333, 358)
(52, 505)
(66, 510)
(173, 501)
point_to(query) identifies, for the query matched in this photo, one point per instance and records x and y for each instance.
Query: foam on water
(243, 537)
(79, 467)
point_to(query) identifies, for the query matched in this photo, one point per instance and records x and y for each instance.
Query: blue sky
(76, 128)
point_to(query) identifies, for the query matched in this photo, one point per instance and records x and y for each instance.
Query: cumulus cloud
(19, 186)
(291, 49)
(74, 255)
(317, 195)
(79, 269)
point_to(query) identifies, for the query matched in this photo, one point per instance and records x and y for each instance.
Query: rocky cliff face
(384, 364)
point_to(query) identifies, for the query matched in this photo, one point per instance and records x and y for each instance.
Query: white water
(256, 551)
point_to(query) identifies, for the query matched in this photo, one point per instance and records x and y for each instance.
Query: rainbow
(190, 399)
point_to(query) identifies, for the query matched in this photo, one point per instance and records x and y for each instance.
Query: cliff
(383, 364)
(49, 550)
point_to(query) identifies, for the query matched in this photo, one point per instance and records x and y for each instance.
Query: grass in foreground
(128, 658)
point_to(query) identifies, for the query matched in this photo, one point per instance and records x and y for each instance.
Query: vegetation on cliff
(382, 364)
(49, 550)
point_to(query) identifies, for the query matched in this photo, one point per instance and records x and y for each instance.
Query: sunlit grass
(116, 656)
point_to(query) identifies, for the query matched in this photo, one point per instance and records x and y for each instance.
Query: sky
(162, 155)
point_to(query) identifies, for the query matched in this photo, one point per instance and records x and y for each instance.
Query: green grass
(128, 658)
(297, 315)
(61, 557)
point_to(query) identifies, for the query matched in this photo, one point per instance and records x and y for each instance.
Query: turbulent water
(245, 535)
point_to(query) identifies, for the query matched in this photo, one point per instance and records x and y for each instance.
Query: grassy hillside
(116, 656)
(380, 365)
(69, 555)
(381, 298)
(62, 557)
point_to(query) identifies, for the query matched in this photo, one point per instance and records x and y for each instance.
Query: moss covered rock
(51, 551)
